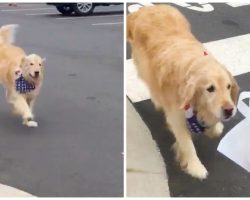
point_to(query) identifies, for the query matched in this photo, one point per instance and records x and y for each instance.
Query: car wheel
(65, 10)
(83, 8)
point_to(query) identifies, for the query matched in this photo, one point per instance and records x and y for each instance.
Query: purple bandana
(193, 123)
(23, 86)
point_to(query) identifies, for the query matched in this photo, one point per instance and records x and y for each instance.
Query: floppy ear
(43, 60)
(23, 60)
(187, 91)
(235, 88)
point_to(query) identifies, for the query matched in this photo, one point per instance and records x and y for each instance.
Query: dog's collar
(22, 85)
(194, 125)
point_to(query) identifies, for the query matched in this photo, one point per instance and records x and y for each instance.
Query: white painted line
(113, 23)
(136, 88)
(134, 7)
(237, 4)
(26, 9)
(182, 4)
(146, 3)
(233, 53)
(87, 17)
(34, 14)
(203, 8)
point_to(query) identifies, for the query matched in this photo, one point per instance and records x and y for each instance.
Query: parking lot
(77, 150)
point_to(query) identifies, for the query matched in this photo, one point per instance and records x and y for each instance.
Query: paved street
(77, 150)
(224, 29)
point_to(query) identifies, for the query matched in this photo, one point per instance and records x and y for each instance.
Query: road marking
(113, 23)
(237, 4)
(146, 3)
(26, 9)
(136, 89)
(134, 7)
(205, 7)
(87, 17)
(234, 53)
(34, 14)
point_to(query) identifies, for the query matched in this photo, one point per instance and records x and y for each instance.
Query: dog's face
(32, 68)
(213, 95)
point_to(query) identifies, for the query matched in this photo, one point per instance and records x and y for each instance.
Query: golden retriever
(179, 72)
(21, 75)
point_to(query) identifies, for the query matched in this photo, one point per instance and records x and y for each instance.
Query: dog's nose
(228, 112)
(36, 73)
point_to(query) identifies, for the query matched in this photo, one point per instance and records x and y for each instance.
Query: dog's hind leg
(22, 108)
(184, 147)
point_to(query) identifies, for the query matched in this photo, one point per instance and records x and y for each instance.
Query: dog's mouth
(207, 121)
(227, 117)
(35, 76)
(228, 114)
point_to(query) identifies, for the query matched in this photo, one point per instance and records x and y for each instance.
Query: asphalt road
(77, 148)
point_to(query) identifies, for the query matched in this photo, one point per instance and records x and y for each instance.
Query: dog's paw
(31, 124)
(215, 131)
(196, 169)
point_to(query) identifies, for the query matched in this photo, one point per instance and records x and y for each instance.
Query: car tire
(82, 9)
(65, 10)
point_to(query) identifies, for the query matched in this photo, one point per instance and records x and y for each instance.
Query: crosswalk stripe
(232, 52)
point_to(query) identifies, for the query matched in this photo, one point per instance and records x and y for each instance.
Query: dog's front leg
(31, 103)
(184, 147)
(22, 108)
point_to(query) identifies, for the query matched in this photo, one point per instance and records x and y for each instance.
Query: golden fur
(171, 61)
(13, 59)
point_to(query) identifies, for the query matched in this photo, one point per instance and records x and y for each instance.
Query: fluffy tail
(8, 33)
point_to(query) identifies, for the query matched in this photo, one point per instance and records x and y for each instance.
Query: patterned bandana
(23, 86)
(193, 123)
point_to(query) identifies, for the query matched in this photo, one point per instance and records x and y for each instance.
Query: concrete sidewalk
(7, 191)
(146, 172)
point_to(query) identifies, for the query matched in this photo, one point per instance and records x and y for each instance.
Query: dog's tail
(8, 33)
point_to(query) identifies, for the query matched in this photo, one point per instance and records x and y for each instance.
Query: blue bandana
(23, 86)
(194, 125)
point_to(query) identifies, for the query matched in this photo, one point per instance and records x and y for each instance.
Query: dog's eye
(228, 86)
(40, 64)
(211, 88)
(31, 64)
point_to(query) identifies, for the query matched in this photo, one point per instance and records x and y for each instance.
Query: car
(79, 9)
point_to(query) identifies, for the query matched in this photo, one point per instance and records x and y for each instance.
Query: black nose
(228, 112)
(36, 73)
